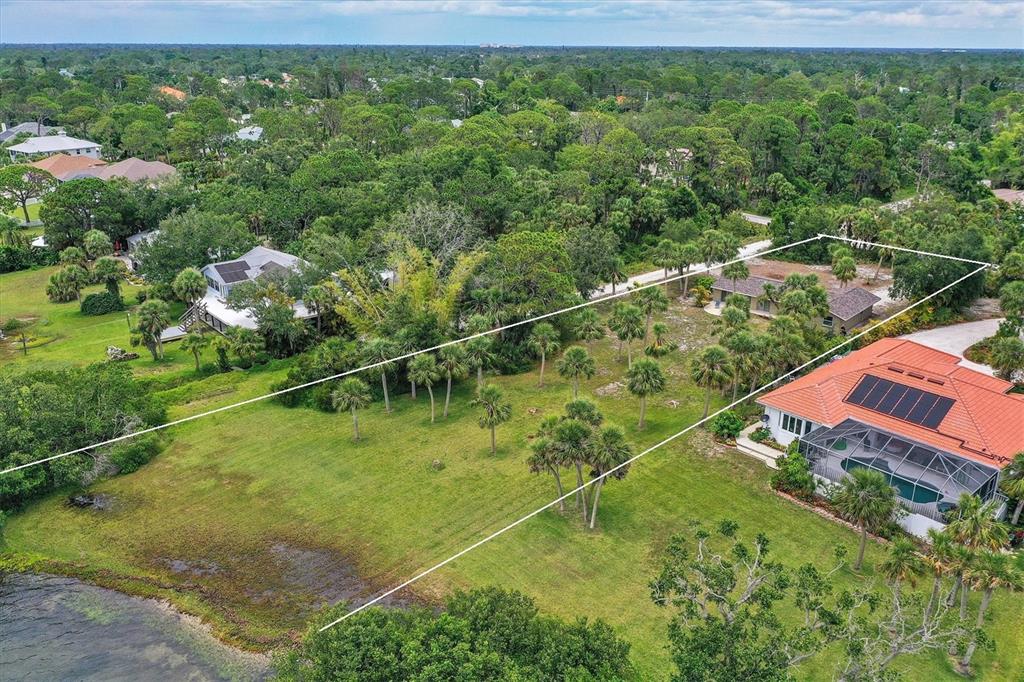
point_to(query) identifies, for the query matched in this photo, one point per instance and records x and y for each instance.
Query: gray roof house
(30, 127)
(55, 144)
(848, 308)
(222, 277)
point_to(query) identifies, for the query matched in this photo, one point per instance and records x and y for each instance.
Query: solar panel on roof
(901, 401)
(235, 271)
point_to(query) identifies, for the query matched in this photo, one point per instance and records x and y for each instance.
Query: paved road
(957, 338)
(657, 275)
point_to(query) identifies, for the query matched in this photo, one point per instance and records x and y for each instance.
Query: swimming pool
(908, 490)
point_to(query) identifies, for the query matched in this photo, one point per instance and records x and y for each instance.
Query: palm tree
(989, 571)
(627, 322)
(903, 564)
(381, 351)
(245, 343)
(72, 255)
(97, 243)
(318, 300)
(866, 499)
(454, 364)
(195, 342)
(153, 318)
(658, 345)
(940, 560)
(189, 285)
(1008, 356)
(351, 394)
(735, 272)
(109, 271)
(546, 457)
(686, 255)
(664, 255)
(478, 352)
(66, 284)
(845, 269)
(617, 272)
(575, 363)
(10, 232)
(644, 379)
(884, 237)
(609, 450)
(497, 410)
(543, 340)
(1012, 483)
(711, 369)
(974, 526)
(423, 370)
(650, 300)
(588, 325)
(572, 438)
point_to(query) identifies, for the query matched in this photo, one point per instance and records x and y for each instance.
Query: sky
(754, 23)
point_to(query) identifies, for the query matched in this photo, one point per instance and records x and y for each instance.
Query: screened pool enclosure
(928, 480)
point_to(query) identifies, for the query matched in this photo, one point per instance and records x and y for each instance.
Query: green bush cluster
(727, 425)
(794, 474)
(131, 455)
(101, 303)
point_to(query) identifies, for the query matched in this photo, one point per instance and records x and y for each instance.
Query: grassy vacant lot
(253, 518)
(59, 334)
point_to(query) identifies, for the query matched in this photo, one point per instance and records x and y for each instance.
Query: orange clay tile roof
(62, 165)
(172, 92)
(985, 423)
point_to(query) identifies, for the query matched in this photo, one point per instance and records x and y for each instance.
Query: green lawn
(33, 212)
(59, 334)
(249, 515)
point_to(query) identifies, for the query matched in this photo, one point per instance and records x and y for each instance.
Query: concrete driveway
(658, 275)
(956, 338)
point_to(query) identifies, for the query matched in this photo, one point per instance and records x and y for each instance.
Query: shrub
(726, 425)
(794, 474)
(130, 456)
(141, 295)
(320, 396)
(14, 258)
(760, 434)
(701, 296)
(101, 303)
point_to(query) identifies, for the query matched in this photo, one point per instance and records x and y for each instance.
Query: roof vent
(915, 375)
(896, 369)
(940, 382)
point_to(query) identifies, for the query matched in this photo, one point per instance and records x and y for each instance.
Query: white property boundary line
(536, 318)
(398, 358)
(629, 461)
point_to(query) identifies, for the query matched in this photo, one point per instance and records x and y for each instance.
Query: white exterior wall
(918, 524)
(774, 425)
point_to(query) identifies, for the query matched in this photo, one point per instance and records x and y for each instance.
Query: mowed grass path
(250, 517)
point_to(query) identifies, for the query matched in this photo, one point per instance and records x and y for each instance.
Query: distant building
(67, 73)
(54, 144)
(132, 169)
(30, 127)
(173, 93)
(1010, 196)
(848, 308)
(63, 167)
(249, 134)
(134, 242)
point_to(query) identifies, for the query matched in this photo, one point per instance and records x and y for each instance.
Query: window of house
(827, 321)
(764, 306)
(795, 425)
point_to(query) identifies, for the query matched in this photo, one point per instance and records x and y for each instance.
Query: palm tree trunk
(647, 327)
(685, 281)
(355, 423)
(618, 354)
(597, 495)
(430, 391)
(384, 385)
(542, 359)
(951, 598)
(196, 355)
(735, 385)
(413, 389)
(863, 546)
(878, 270)
(933, 599)
(643, 411)
(1016, 512)
(581, 500)
(965, 592)
(494, 447)
(986, 597)
(448, 395)
(629, 355)
(575, 387)
(707, 402)
(480, 375)
(558, 484)
(160, 346)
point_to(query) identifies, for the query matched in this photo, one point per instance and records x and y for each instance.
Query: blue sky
(802, 23)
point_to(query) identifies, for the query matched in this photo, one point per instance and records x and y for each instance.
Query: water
(56, 628)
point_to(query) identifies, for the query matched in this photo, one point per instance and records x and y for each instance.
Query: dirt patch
(775, 269)
(96, 501)
(197, 568)
(614, 388)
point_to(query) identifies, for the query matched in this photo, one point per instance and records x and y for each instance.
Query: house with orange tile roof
(64, 166)
(172, 92)
(934, 428)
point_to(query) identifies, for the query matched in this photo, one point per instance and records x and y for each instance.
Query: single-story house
(249, 134)
(132, 169)
(54, 144)
(935, 429)
(134, 242)
(64, 167)
(848, 308)
(30, 127)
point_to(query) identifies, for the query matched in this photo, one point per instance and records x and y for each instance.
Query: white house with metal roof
(54, 144)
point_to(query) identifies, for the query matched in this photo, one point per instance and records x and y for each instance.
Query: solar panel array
(898, 400)
(233, 271)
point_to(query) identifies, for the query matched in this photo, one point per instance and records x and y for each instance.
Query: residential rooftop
(51, 144)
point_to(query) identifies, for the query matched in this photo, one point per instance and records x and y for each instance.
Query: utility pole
(24, 344)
